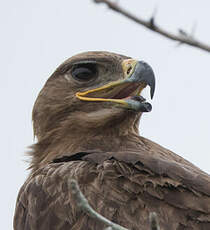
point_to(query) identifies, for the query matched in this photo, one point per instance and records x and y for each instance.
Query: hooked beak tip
(144, 73)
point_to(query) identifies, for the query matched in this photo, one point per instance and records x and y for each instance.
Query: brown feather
(124, 192)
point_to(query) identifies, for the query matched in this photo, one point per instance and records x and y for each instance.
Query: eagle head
(92, 91)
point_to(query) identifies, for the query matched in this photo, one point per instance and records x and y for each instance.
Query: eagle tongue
(138, 98)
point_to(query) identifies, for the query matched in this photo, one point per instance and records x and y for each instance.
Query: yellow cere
(128, 66)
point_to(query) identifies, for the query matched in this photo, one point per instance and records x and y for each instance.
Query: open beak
(127, 92)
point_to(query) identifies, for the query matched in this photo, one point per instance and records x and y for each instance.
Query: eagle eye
(84, 72)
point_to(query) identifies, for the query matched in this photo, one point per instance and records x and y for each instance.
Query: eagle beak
(126, 92)
(143, 73)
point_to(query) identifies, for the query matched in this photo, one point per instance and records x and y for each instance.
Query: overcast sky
(36, 36)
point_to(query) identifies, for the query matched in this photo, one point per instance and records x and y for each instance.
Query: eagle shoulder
(123, 189)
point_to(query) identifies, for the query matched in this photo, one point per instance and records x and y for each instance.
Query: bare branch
(82, 204)
(151, 25)
(153, 220)
(109, 228)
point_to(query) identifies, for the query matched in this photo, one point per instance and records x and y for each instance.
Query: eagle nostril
(129, 69)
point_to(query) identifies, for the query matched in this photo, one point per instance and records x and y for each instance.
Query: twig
(82, 204)
(153, 220)
(151, 25)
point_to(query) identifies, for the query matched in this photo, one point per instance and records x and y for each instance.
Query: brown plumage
(123, 175)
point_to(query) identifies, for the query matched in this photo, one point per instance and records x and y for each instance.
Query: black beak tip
(152, 89)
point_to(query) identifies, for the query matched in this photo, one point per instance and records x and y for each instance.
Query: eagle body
(86, 137)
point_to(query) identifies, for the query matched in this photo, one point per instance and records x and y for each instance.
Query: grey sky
(36, 36)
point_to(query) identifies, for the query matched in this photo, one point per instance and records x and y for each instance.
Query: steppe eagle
(86, 121)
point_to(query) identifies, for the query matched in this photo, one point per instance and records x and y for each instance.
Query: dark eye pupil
(84, 72)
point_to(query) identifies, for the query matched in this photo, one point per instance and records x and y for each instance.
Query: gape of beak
(126, 93)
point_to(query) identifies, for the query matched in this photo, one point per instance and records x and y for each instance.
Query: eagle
(86, 121)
